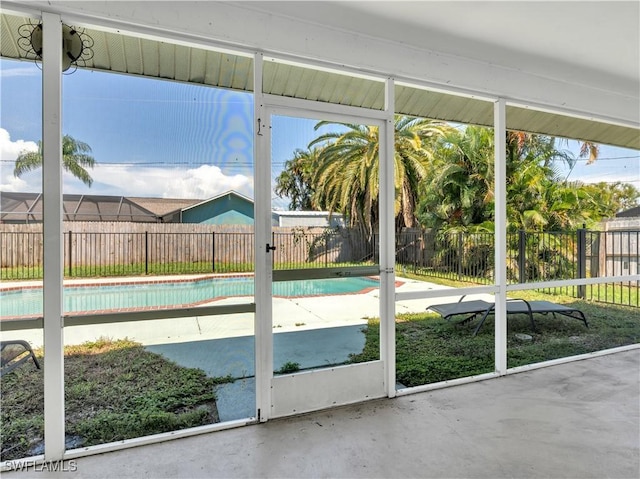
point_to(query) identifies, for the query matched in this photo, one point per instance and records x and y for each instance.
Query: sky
(176, 140)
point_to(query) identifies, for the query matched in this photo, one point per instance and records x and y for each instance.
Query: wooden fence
(115, 248)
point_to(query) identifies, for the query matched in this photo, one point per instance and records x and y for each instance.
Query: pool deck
(289, 314)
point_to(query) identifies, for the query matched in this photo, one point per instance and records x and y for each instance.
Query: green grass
(139, 269)
(288, 368)
(114, 390)
(614, 293)
(430, 349)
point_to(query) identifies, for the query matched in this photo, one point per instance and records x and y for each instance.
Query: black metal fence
(531, 257)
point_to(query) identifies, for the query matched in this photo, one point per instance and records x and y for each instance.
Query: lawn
(430, 349)
(114, 390)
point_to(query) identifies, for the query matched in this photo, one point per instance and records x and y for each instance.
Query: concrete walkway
(309, 348)
(574, 420)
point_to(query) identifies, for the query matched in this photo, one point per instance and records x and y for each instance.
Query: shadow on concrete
(234, 357)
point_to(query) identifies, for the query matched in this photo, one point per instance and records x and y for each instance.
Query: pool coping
(123, 280)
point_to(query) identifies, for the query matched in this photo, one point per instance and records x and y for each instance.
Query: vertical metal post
(326, 250)
(387, 242)
(146, 252)
(53, 241)
(213, 251)
(582, 260)
(500, 175)
(522, 256)
(262, 227)
(460, 255)
(70, 253)
(416, 252)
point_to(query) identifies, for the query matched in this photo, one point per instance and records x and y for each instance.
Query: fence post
(415, 252)
(146, 252)
(594, 264)
(213, 251)
(522, 256)
(582, 260)
(460, 253)
(70, 242)
(326, 250)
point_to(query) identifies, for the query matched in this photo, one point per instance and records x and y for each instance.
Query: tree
(75, 159)
(460, 190)
(611, 198)
(460, 194)
(346, 178)
(294, 182)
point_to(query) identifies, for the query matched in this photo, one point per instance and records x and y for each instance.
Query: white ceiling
(595, 40)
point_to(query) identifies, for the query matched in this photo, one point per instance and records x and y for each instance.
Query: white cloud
(9, 151)
(128, 180)
(123, 180)
(206, 181)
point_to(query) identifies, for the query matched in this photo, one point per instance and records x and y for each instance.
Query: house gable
(227, 208)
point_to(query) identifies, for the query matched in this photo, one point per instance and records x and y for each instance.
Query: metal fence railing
(531, 256)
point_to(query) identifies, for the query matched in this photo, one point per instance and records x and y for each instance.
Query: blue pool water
(143, 295)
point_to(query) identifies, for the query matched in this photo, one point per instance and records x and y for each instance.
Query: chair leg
(484, 316)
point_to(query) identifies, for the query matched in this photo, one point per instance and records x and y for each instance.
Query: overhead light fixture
(77, 45)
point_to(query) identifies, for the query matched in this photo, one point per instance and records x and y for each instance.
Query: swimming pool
(105, 297)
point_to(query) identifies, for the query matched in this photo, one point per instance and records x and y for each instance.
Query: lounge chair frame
(10, 361)
(478, 307)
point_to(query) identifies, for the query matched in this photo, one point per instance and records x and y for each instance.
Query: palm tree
(460, 191)
(75, 159)
(589, 150)
(294, 182)
(460, 194)
(346, 178)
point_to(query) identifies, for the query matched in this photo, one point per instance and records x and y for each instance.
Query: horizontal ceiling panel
(139, 56)
(443, 106)
(306, 83)
(525, 119)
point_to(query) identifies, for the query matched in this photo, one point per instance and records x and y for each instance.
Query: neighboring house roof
(630, 213)
(226, 208)
(307, 214)
(217, 197)
(27, 207)
(163, 206)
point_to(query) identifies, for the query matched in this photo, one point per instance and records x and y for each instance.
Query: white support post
(262, 229)
(387, 243)
(500, 178)
(54, 428)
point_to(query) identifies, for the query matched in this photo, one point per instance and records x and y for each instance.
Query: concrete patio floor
(573, 420)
